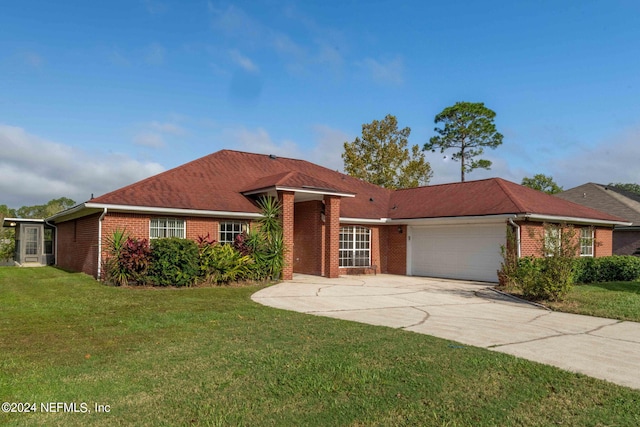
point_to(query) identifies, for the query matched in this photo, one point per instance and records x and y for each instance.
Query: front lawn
(210, 356)
(615, 300)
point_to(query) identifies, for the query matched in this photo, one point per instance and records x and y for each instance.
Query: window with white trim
(230, 229)
(160, 228)
(552, 239)
(586, 241)
(355, 246)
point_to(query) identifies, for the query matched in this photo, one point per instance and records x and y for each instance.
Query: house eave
(90, 208)
(305, 190)
(572, 220)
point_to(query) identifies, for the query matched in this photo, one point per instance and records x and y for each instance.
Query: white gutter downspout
(100, 242)
(517, 235)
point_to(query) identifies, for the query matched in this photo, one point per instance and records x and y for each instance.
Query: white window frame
(549, 246)
(231, 228)
(160, 228)
(354, 247)
(587, 242)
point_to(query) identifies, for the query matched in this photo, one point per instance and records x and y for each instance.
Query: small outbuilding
(34, 241)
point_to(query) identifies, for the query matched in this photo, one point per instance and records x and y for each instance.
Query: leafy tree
(7, 235)
(630, 187)
(43, 211)
(468, 127)
(542, 183)
(382, 157)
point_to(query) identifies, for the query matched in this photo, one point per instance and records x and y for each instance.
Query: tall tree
(382, 156)
(469, 128)
(542, 183)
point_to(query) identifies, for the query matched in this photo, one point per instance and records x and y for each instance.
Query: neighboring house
(615, 201)
(333, 223)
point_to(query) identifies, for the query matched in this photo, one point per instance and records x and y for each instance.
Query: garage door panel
(469, 252)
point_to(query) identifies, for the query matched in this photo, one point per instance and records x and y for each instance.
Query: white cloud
(153, 134)
(615, 159)
(33, 59)
(243, 61)
(155, 7)
(149, 139)
(390, 72)
(155, 54)
(35, 170)
(259, 141)
(329, 147)
(169, 128)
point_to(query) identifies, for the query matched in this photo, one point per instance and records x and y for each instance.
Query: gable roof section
(225, 182)
(216, 183)
(494, 196)
(607, 199)
(293, 180)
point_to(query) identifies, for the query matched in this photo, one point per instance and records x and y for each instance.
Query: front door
(31, 244)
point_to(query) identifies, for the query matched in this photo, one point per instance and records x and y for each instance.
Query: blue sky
(97, 95)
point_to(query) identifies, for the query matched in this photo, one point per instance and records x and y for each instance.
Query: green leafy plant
(114, 272)
(616, 268)
(174, 262)
(220, 264)
(127, 259)
(551, 275)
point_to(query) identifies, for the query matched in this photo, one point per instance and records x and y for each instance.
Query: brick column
(286, 199)
(332, 236)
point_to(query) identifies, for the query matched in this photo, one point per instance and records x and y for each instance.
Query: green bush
(174, 262)
(616, 268)
(223, 263)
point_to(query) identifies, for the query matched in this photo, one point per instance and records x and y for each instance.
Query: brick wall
(531, 232)
(78, 239)
(308, 232)
(78, 245)
(397, 249)
(604, 242)
(332, 236)
(287, 200)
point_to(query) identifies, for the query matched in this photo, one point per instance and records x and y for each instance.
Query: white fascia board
(298, 190)
(344, 220)
(571, 220)
(481, 219)
(156, 211)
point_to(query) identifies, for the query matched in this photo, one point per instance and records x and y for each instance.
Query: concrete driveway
(470, 313)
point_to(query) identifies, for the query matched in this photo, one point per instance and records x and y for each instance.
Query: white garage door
(470, 252)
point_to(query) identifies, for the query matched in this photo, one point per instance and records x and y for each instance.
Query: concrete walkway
(470, 313)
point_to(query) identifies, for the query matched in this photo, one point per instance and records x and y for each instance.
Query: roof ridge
(502, 184)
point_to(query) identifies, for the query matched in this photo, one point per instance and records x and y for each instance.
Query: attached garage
(463, 251)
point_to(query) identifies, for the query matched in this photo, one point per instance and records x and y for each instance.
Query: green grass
(210, 356)
(615, 300)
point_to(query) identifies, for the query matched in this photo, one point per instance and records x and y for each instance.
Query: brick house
(333, 223)
(615, 201)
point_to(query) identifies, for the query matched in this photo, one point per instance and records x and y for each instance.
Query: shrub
(622, 268)
(127, 259)
(551, 275)
(222, 263)
(174, 262)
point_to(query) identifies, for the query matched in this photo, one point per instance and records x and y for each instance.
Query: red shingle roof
(216, 183)
(494, 196)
